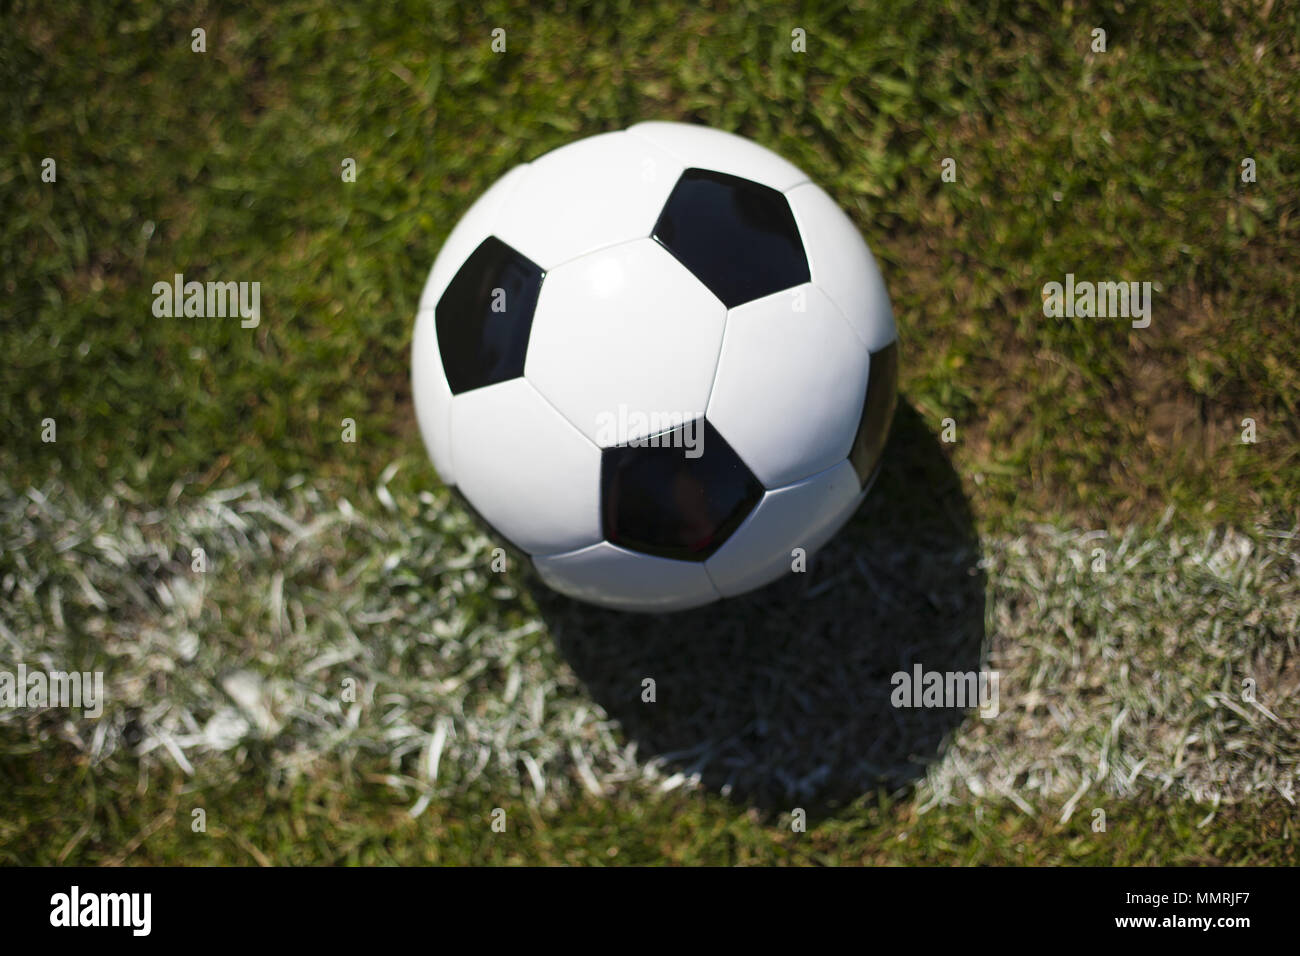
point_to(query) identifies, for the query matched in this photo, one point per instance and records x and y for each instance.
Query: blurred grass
(226, 165)
(323, 820)
(464, 679)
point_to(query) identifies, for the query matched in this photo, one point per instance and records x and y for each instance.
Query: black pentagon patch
(483, 334)
(737, 236)
(660, 501)
(877, 412)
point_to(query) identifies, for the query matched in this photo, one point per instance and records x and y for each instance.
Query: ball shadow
(781, 698)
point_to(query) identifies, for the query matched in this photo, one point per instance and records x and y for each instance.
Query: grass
(323, 820)
(365, 634)
(226, 165)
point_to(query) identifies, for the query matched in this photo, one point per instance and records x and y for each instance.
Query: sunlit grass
(226, 165)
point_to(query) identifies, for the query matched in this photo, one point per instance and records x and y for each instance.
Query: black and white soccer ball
(658, 362)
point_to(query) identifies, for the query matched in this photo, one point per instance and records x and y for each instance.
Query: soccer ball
(658, 362)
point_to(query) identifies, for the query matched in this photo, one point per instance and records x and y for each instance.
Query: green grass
(327, 821)
(463, 677)
(226, 165)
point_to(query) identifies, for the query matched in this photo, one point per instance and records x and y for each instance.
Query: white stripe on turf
(1144, 662)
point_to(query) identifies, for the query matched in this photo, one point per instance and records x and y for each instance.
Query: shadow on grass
(781, 698)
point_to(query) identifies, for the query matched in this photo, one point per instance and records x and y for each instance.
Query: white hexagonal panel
(614, 577)
(586, 196)
(624, 337)
(804, 515)
(473, 228)
(842, 265)
(527, 471)
(706, 148)
(431, 395)
(790, 385)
